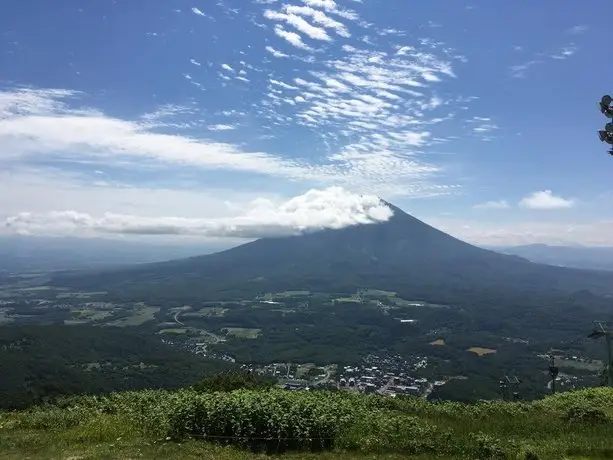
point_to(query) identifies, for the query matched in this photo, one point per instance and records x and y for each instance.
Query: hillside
(42, 362)
(402, 254)
(243, 424)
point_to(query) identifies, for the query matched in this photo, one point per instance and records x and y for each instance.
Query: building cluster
(388, 375)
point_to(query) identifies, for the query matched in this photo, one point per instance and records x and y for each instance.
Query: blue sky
(478, 117)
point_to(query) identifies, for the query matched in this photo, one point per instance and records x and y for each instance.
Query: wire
(256, 438)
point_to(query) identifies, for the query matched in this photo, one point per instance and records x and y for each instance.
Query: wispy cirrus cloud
(564, 53)
(578, 29)
(50, 126)
(502, 204)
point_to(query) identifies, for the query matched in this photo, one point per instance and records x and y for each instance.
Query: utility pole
(553, 371)
(503, 388)
(601, 330)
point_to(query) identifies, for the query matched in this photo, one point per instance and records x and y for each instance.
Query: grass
(140, 316)
(482, 351)
(379, 292)
(571, 363)
(291, 293)
(175, 330)
(347, 300)
(87, 315)
(247, 423)
(243, 332)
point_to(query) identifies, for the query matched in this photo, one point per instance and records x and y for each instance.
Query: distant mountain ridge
(584, 257)
(401, 254)
(20, 254)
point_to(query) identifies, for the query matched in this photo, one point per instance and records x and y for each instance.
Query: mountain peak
(401, 253)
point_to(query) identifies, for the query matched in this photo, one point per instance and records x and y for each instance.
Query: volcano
(402, 254)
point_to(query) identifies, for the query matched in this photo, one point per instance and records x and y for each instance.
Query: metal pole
(552, 373)
(609, 364)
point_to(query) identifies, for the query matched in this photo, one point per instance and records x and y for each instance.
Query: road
(177, 318)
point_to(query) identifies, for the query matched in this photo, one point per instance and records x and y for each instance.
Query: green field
(36, 288)
(139, 316)
(480, 351)
(243, 332)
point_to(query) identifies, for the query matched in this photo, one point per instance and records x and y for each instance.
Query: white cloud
(40, 190)
(193, 61)
(331, 208)
(319, 18)
(52, 130)
(328, 5)
(199, 12)
(545, 200)
(221, 127)
(227, 67)
(282, 84)
(291, 37)
(502, 204)
(316, 33)
(276, 53)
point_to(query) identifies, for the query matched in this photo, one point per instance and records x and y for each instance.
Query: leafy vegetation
(567, 425)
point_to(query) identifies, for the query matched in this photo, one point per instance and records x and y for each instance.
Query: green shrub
(388, 432)
(586, 414)
(487, 446)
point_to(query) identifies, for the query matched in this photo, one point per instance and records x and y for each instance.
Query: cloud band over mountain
(331, 208)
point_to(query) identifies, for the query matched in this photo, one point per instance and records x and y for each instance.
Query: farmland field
(482, 351)
(139, 316)
(242, 332)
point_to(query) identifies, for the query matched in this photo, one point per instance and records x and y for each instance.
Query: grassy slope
(169, 425)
